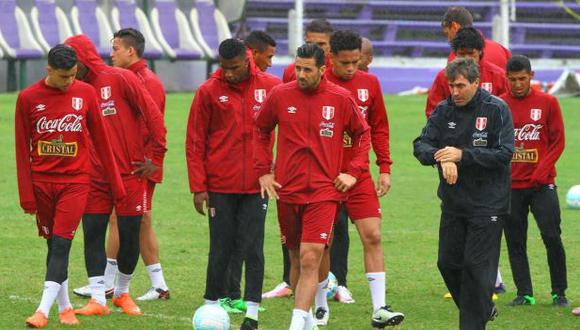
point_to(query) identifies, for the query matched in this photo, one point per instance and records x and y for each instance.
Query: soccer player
(470, 138)
(221, 176)
(263, 48)
(468, 42)
(318, 32)
(362, 203)
(539, 142)
(57, 122)
(366, 55)
(312, 115)
(126, 106)
(458, 17)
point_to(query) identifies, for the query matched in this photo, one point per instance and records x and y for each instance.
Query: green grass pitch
(410, 229)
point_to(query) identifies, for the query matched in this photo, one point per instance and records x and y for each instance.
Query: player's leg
(321, 308)
(339, 257)
(112, 251)
(516, 236)
(450, 255)
(546, 209)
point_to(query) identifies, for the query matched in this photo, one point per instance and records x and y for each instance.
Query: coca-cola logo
(528, 132)
(68, 123)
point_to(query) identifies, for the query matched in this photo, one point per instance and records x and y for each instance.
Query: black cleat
(249, 324)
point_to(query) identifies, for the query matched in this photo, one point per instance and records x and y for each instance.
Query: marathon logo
(522, 155)
(57, 148)
(346, 140)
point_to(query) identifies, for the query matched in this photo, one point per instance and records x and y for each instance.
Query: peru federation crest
(327, 112)
(259, 95)
(536, 114)
(363, 94)
(106, 92)
(481, 123)
(77, 103)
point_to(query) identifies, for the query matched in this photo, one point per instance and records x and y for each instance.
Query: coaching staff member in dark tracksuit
(220, 162)
(470, 137)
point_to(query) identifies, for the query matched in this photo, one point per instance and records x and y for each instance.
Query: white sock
(63, 298)
(156, 276)
(298, 319)
(211, 302)
(123, 281)
(97, 285)
(252, 311)
(48, 297)
(498, 279)
(320, 298)
(110, 272)
(377, 286)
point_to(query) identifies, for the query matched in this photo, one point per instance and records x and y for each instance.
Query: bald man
(366, 57)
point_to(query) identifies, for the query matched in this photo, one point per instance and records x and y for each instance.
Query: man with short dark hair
(219, 152)
(57, 123)
(263, 48)
(539, 139)
(470, 138)
(458, 17)
(312, 116)
(468, 42)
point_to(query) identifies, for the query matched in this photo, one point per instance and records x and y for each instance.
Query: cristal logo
(68, 123)
(529, 132)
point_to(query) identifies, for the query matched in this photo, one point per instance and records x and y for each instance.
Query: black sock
(57, 266)
(95, 230)
(128, 256)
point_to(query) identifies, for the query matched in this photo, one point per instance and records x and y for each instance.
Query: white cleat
(343, 295)
(385, 316)
(281, 290)
(155, 294)
(321, 316)
(85, 292)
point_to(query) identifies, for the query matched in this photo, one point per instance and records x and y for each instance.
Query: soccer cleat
(155, 294)
(447, 296)
(560, 300)
(93, 308)
(321, 316)
(37, 320)
(523, 300)
(68, 317)
(576, 311)
(249, 324)
(499, 289)
(126, 303)
(343, 295)
(226, 304)
(85, 292)
(239, 304)
(385, 316)
(281, 290)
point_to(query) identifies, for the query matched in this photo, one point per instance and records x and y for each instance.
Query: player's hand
(198, 199)
(383, 184)
(344, 182)
(448, 154)
(144, 169)
(269, 185)
(449, 172)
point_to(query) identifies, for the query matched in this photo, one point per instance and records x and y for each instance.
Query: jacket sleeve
(141, 100)
(437, 93)
(289, 74)
(196, 141)
(266, 121)
(379, 124)
(23, 137)
(555, 144)
(357, 127)
(102, 145)
(499, 154)
(426, 144)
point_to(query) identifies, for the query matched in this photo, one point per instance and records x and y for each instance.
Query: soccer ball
(211, 317)
(573, 197)
(332, 286)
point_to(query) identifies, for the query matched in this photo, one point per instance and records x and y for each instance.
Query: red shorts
(60, 207)
(149, 190)
(362, 201)
(101, 199)
(308, 223)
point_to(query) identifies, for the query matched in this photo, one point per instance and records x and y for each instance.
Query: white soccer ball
(573, 197)
(332, 286)
(211, 317)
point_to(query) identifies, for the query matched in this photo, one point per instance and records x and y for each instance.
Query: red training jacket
(493, 52)
(290, 70)
(366, 90)
(154, 86)
(219, 148)
(492, 78)
(539, 138)
(123, 102)
(53, 131)
(309, 155)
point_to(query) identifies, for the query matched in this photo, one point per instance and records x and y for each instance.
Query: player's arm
(266, 121)
(357, 127)
(102, 144)
(426, 145)
(22, 138)
(379, 123)
(437, 93)
(555, 126)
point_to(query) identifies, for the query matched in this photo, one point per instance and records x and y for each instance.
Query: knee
(372, 238)
(309, 261)
(552, 241)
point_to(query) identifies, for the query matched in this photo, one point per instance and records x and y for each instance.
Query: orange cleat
(126, 303)
(68, 317)
(93, 308)
(37, 320)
